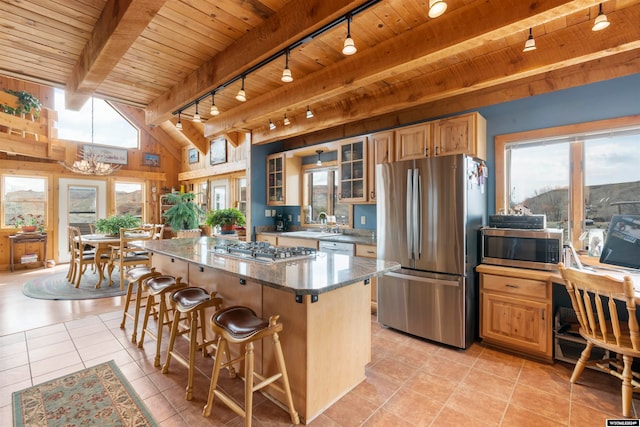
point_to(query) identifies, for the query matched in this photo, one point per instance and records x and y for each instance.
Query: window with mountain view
(578, 181)
(23, 197)
(130, 198)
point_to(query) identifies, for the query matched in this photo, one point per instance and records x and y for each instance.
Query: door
(82, 202)
(427, 305)
(219, 194)
(442, 209)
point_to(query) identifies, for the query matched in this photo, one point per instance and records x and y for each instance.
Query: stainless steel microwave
(509, 247)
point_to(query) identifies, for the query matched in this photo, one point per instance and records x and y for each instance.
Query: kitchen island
(323, 301)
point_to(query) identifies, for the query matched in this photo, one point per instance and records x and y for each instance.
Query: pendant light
(179, 124)
(93, 162)
(286, 73)
(436, 8)
(349, 46)
(241, 96)
(286, 120)
(196, 116)
(601, 21)
(530, 44)
(214, 108)
(309, 113)
(271, 125)
(319, 161)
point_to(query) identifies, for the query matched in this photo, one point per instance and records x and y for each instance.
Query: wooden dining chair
(607, 325)
(80, 257)
(125, 256)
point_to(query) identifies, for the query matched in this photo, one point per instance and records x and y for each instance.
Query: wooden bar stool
(158, 286)
(240, 325)
(136, 277)
(189, 304)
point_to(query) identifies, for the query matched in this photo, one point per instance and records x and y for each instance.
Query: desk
(27, 238)
(102, 245)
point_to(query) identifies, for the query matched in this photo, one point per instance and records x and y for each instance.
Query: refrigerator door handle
(453, 283)
(409, 215)
(417, 214)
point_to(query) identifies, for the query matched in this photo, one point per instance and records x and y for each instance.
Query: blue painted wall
(597, 101)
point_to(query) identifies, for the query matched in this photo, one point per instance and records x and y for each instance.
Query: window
(579, 175)
(130, 199)
(22, 195)
(321, 196)
(109, 127)
(242, 195)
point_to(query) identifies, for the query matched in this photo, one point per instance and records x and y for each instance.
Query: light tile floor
(410, 382)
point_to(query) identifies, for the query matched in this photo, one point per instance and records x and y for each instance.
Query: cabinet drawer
(515, 286)
(367, 251)
(272, 240)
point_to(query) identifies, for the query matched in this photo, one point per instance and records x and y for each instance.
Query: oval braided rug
(56, 287)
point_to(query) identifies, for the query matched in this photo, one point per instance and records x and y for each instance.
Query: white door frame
(63, 208)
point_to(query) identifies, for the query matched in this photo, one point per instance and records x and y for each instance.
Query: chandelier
(92, 163)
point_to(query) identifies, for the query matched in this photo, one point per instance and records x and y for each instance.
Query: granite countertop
(317, 274)
(330, 237)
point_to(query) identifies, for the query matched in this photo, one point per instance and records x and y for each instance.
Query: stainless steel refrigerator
(429, 214)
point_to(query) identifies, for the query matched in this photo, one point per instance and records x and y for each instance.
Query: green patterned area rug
(98, 396)
(56, 287)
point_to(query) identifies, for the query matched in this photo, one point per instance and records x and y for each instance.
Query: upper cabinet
(352, 170)
(283, 180)
(465, 134)
(380, 150)
(413, 142)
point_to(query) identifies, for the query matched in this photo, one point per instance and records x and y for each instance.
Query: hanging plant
(27, 104)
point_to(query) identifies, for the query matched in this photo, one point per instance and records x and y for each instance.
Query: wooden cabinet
(352, 171)
(413, 142)
(164, 206)
(297, 241)
(515, 310)
(283, 180)
(370, 251)
(465, 134)
(379, 150)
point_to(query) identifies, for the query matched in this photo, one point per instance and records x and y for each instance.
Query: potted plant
(29, 223)
(184, 215)
(226, 219)
(27, 104)
(111, 226)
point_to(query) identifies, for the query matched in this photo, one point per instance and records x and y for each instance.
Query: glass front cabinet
(352, 159)
(283, 176)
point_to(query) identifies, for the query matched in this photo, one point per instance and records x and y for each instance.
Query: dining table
(102, 244)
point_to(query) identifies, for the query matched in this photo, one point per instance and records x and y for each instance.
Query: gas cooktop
(263, 251)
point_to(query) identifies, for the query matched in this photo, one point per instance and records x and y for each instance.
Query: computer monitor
(622, 244)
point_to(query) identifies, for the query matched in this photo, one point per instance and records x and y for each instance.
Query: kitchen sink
(308, 234)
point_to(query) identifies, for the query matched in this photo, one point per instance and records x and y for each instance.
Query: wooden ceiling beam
(194, 132)
(486, 22)
(291, 23)
(119, 25)
(487, 71)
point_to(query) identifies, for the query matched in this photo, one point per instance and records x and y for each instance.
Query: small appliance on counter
(281, 223)
(523, 222)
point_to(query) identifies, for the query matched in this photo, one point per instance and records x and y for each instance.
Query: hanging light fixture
(196, 116)
(271, 125)
(179, 124)
(241, 96)
(286, 73)
(530, 44)
(349, 46)
(436, 8)
(601, 21)
(319, 161)
(92, 162)
(309, 113)
(286, 120)
(214, 108)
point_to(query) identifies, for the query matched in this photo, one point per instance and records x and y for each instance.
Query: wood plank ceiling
(162, 55)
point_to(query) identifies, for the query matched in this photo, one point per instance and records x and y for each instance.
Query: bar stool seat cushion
(158, 284)
(240, 322)
(135, 273)
(188, 298)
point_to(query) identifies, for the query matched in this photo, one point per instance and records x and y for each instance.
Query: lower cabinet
(370, 251)
(515, 310)
(269, 238)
